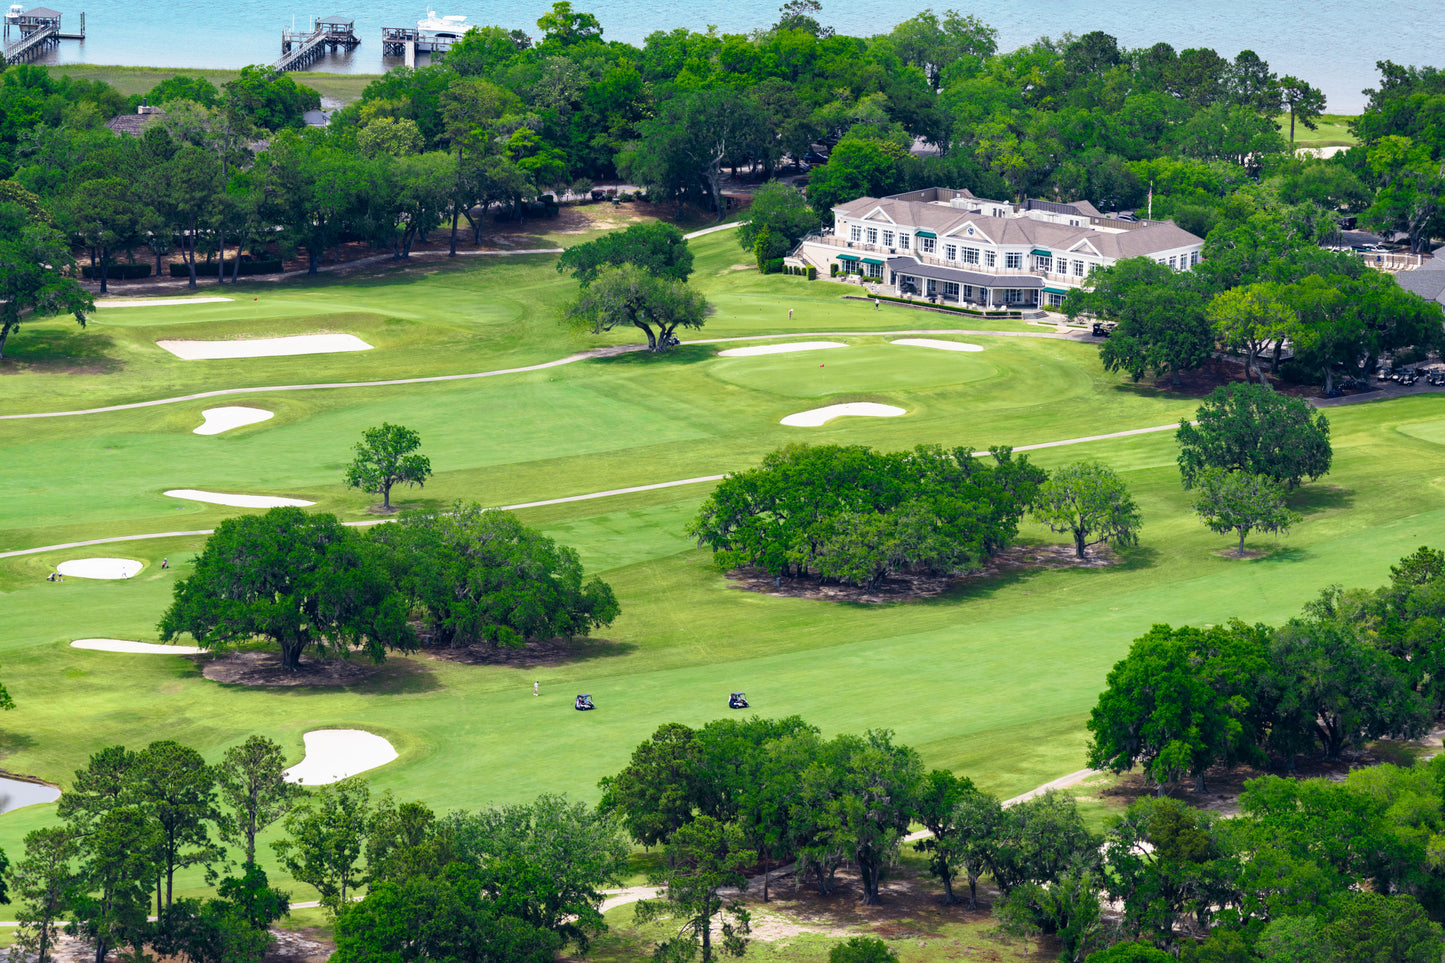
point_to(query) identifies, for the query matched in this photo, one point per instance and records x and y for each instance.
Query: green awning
(872, 260)
(925, 234)
(847, 257)
(1055, 291)
(1042, 253)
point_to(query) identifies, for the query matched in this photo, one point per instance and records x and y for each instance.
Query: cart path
(608, 352)
(59, 546)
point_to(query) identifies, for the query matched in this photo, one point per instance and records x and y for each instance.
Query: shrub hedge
(209, 270)
(119, 272)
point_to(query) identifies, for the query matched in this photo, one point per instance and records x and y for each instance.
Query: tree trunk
(456, 216)
(313, 259)
(291, 654)
(1242, 532)
(221, 267)
(1199, 782)
(1079, 546)
(973, 891)
(1291, 126)
(948, 896)
(707, 939)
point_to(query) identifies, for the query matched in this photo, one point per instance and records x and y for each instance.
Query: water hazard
(17, 793)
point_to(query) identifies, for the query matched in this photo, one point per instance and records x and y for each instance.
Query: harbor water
(1332, 44)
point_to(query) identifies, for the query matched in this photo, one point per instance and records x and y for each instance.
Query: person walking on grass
(790, 314)
(536, 688)
(877, 304)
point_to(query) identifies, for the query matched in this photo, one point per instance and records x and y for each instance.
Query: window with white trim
(970, 255)
(1193, 258)
(1014, 261)
(887, 238)
(873, 270)
(1055, 300)
(990, 259)
(926, 244)
(1044, 264)
(1173, 262)
(950, 252)
(1079, 269)
(950, 290)
(903, 240)
(872, 235)
(855, 233)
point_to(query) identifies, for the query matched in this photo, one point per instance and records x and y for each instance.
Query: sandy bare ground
(134, 648)
(236, 500)
(99, 568)
(818, 417)
(218, 420)
(935, 343)
(264, 347)
(335, 754)
(153, 302)
(787, 348)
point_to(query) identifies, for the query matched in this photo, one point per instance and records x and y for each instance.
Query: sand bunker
(940, 345)
(780, 348)
(264, 347)
(135, 648)
(334, 754)
(821, 416)
(218, 420)
(99, 567)
(236, 501)
(156, 302)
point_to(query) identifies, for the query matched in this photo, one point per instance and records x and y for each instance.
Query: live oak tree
(1161, 324)
(1250, 319)
(630, 295)
(303, 581)
(1237, 501)
(782, 211)
(658, 248)
(251, 784)
(480, 575)
(1091, 503)
(387, 456)
(1178, 703)
(959, 820)
(1250, 428)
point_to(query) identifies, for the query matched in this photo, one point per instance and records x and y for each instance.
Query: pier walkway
(300, 50)
(38, 30)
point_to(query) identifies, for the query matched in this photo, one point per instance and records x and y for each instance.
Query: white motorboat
(449, 27)
(16, 9)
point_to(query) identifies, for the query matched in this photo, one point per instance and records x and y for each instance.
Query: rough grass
(341, 89)
(993, 679)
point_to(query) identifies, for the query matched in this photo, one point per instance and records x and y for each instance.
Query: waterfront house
(953, 247)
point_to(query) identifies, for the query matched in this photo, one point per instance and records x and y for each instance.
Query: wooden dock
(30, 34)
(300, 50)
(407, 42)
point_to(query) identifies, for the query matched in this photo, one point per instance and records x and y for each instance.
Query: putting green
(860, 369)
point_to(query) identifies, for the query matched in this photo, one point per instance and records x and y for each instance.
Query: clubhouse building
(952, 247)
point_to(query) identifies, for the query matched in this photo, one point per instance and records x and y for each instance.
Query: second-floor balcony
(1029, 266)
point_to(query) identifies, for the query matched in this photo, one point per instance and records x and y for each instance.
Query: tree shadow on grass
(59, 351)
(535, 653)
(683, 354)
(1314, 499)
(262, 670)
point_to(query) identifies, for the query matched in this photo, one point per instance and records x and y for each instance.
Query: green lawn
(341, 88)
(1332, 130)
(994, 679)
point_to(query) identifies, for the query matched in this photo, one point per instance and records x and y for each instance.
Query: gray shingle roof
(944, 221)
(1426, 282)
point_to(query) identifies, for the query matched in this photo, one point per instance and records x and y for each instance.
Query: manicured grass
(1332, 130)
(341, 88)
(994, 679)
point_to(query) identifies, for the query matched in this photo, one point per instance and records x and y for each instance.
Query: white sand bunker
(780, 348)
(821, 416)
(334, 754)
(265, 347)
(156, 302)
(941, 345)
(218, 420)
(237, 501)
(99, 567)
(136, 648)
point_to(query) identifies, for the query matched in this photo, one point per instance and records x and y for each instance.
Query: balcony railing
(834, 241)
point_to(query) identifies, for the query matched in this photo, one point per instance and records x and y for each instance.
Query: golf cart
(583, 703)
(737, 701)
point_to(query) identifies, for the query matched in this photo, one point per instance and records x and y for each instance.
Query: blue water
(1332, 44)
(16, 793)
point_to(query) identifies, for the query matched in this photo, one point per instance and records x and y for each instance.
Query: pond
(15, 793)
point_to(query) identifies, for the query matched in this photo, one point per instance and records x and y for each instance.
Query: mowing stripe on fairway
(566, 498)
(579, 356)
